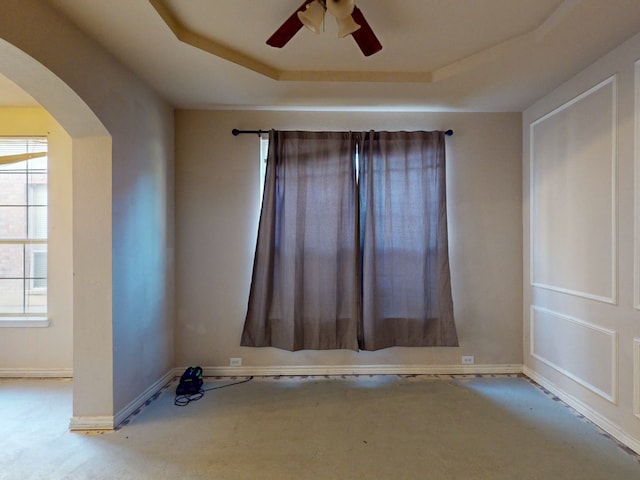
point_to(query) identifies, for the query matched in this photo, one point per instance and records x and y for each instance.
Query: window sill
(24, 322)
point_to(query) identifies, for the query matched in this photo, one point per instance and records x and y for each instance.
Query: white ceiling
(475, 55)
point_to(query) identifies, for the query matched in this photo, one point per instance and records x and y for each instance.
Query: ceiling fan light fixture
(340, 8)
(346, 26)
(313, 16)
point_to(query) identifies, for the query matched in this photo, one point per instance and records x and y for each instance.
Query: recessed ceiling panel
(417, 35)
(472, 55)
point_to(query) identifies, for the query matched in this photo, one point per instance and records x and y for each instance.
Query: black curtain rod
(237, 132)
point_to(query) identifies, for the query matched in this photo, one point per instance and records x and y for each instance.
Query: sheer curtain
(406, 288)
(304, 292)
(346, 264)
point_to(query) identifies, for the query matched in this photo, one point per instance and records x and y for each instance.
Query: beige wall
(581, 303)
(581, 242)
(123, 248)
(217, 210)
(46, 349)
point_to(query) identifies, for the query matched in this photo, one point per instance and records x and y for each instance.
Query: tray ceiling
(484, 55)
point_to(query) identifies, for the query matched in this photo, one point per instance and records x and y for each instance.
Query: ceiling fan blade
(21, 157)
(288, 29)
(364, 36)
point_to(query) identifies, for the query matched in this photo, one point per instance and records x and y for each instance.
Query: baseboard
(605, 424)
(111, 422)
(36, 372)
(141, 399)
(91, 423)
(295, 370)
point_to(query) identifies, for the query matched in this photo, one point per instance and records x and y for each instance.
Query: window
(352, 249)
(264, 153)
(23, 226)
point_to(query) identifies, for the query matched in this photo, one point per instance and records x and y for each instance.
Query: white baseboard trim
(91, 423)
(595, 417)
(295, 370)
(141, 399)
(111, 422)
(36, 372)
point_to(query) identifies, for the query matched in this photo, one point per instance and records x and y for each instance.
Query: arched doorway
(91, 154)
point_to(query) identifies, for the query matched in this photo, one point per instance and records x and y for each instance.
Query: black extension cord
(184, 400)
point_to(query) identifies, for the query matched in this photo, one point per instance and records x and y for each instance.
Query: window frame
(31, 246)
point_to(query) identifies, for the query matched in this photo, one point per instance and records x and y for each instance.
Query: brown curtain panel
(305, 286)
(406, 286)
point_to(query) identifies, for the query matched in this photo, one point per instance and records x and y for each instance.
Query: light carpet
(354, 427)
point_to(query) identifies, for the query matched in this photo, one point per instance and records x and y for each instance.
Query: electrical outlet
(235, 362)
(468, 360)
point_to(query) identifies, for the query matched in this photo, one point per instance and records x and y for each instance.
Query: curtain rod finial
(235, 132)
(448, 133)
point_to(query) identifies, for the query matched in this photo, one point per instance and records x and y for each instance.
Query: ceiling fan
(310, 14)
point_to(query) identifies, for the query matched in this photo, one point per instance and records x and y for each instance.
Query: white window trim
(31, 321)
